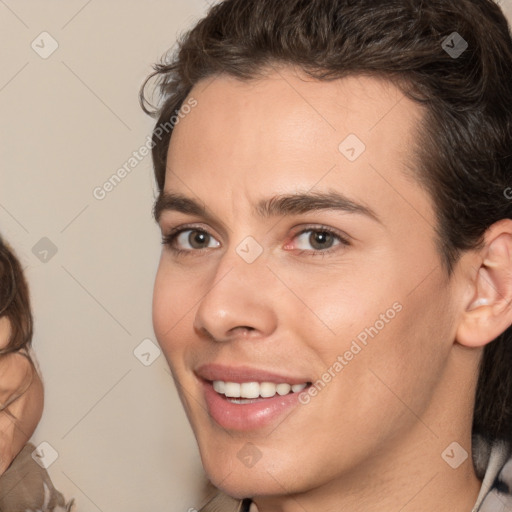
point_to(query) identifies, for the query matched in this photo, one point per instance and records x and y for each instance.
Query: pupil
(197, 238)
(320, 238)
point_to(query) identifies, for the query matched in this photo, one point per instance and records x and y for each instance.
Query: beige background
(68, 123)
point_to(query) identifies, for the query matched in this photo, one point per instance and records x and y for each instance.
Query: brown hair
(463, 148)
(15, 306)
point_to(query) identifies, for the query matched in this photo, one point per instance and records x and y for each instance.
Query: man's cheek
(169, 306)
(161, 321)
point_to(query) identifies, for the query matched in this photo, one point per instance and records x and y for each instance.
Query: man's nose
(240, 301)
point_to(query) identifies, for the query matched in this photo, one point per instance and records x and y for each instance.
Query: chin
(247, 485)
(229, 474)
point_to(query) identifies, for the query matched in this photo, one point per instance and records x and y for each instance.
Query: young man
(334, 293)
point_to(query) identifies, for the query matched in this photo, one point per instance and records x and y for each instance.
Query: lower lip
(258, 413)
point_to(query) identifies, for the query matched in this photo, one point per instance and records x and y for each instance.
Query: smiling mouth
(250, 405)
(249, 392)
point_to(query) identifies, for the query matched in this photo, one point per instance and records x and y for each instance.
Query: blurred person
(24, 484)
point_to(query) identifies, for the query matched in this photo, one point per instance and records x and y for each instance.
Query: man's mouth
(246, 398)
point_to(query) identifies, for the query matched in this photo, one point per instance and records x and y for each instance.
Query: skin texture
(372, 439)
(19, 420)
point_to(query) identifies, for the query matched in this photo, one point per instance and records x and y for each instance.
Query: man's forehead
(289, 84)
(285, 112)
(351, 134)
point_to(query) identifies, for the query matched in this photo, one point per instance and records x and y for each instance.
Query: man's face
(351, 299)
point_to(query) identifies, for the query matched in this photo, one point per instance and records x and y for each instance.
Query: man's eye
(186, 240)
(312, 241)
(318, 239)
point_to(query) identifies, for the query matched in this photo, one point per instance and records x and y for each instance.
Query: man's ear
(488, 310)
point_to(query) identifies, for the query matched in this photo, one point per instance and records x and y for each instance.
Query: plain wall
(68, 123)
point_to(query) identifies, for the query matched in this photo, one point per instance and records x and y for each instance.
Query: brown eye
(189, 240)
(197, 239)
(318, 240)
(321, 240)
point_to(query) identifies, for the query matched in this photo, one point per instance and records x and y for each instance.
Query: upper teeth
(254, 389)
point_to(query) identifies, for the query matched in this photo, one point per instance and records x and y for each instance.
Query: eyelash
(170, 239)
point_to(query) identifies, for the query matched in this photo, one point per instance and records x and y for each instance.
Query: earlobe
(489, 311)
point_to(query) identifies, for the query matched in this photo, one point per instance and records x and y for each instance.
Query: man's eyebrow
(293, 204)
(282, 205)
(179, 203)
